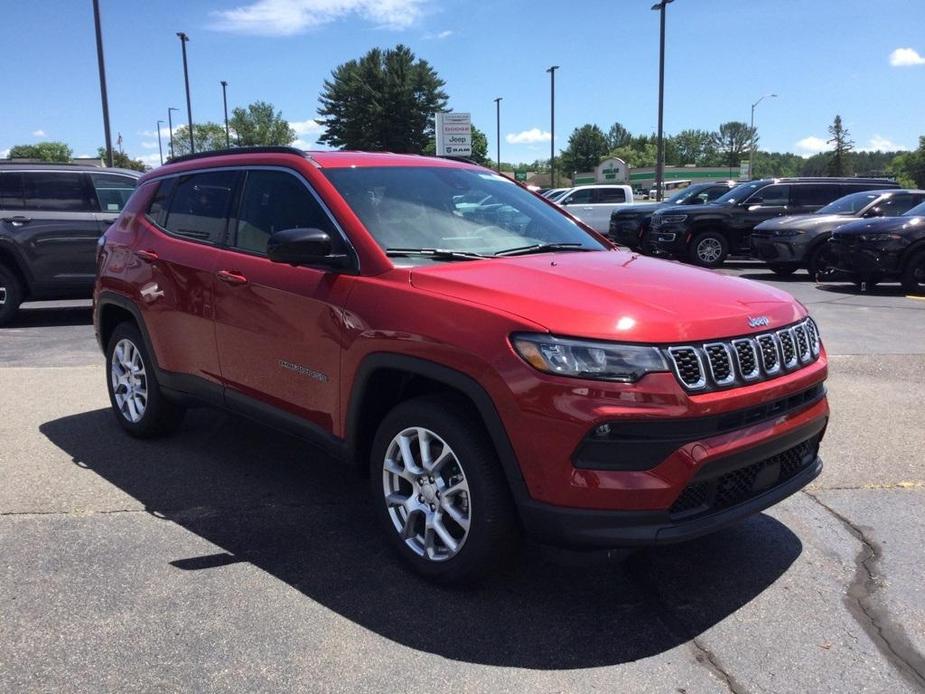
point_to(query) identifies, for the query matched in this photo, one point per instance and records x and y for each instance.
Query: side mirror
(305, 247)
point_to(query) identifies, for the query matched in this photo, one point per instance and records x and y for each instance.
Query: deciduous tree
(732, 140)
(44, 151)
(259, 124)
(206, 136)
(587, 145)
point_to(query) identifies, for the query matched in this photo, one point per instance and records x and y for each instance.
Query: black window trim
(236, 203)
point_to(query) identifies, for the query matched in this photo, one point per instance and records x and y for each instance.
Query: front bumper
(775, 249)
(723, 491)
(627, 232)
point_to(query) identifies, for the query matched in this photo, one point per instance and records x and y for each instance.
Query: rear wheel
(821, 261)
(782, 269)
(134, 393)
(913, 278)
(709, 249)
(442, 497)
(11, 295)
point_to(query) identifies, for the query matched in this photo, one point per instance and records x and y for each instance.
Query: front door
(279, 327)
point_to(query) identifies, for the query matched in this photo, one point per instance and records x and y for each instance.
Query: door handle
(231, 277)
(109, 220)
(146, 255)
(18, 220)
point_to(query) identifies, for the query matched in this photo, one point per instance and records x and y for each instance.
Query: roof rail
(237, 150)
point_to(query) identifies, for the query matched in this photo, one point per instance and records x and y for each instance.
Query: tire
(11, 295)
(708, 249)
(134, 393)
(820, 261)
(478, 517)
(782, 270)
(913, 277)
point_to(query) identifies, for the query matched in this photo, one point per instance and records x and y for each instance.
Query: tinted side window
(713, 193)
(112, 191)
(55, 191)
(815, 195)
(611, 195)
(11, 191)
(273, 201)
(898, 204)
(580, 197)
(199, 207)
(772, 196)
(157, 209)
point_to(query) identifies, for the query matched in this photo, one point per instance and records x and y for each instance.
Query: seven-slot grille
(744, 360)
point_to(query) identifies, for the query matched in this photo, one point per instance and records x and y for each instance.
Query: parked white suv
(593, 204)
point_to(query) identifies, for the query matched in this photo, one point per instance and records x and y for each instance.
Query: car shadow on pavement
(45, 317)
(271, 500)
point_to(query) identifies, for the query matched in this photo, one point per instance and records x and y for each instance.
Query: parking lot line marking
(917, 298)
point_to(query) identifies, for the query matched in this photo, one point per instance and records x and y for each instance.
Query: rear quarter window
(56, 191)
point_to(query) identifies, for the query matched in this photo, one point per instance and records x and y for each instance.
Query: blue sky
(863, 59)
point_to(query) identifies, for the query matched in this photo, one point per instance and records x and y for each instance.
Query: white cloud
(149, 145)
(290, 17)
(527, 137)
(5, 153)
(883, 144)
(446, 33)
(306, 127)
(38, 133)
(904, 57)
(812, 145)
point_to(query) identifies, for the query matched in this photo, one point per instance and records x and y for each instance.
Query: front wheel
(913, 278)
(821, 262)
(441, 493)
(134, 393)
(709, 249)
(11, 295)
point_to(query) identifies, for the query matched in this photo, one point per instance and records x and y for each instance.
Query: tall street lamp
(170, 125)
(751, 153)
(160, 149)
(498, 130)
(225, 102)
(552, 125)
(102, 68)
(660, 153)
(189, 108)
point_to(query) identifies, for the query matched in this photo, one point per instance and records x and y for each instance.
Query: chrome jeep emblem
(757, 321)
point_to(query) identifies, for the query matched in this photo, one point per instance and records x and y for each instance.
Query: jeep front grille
(725, 363)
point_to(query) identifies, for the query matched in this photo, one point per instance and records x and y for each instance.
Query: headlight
(673, 218)
(879, 237)
(603, 361)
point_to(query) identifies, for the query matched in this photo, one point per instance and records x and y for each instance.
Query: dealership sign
(454, 134)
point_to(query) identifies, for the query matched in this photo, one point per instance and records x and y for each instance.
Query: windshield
(685, 193)
(917, 211)
(850, 204)
(453, 209)
(739, 193)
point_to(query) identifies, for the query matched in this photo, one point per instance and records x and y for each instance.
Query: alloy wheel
(426, 494)
(709, 250)
(129, 380)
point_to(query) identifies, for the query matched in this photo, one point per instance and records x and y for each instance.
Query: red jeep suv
(499, 368)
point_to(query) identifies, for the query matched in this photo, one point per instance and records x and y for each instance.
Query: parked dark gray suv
(51, 216)
(795, 241)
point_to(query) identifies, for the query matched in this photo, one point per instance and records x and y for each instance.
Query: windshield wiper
(437, 253)
(543, 248)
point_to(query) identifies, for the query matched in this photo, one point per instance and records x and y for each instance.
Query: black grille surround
(709, 366)
(708, 493)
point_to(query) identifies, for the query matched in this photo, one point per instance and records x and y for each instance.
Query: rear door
(806, 198)
(279, 327)
(57, 230)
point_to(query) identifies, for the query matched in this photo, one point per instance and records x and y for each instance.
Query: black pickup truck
(51, 216)
(706, 234)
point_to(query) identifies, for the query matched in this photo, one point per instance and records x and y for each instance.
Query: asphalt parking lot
(229, 557)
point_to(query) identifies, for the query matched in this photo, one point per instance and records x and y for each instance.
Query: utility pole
(160, 149)
(498, 131)
(189, 108)
(660, 155)
(225, 102)
(552, 125)
(102, 66)
(170, 125)
(751, 152)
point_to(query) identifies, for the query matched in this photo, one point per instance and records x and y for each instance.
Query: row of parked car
(865, 230)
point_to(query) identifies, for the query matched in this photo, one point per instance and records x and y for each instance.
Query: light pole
(170, 126)
(751, 153)
(160, 149)
(189, 108)
(102, 67)
(552, 125)
(660, 150)
(225, 102)
(498, 130)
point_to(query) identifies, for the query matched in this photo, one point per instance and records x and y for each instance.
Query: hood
(880, 225)
(690, 209)
(806, 222)
(638, 208)
(613, 295)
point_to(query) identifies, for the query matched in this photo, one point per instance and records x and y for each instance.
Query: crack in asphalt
(636, 569)
(889, 637)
